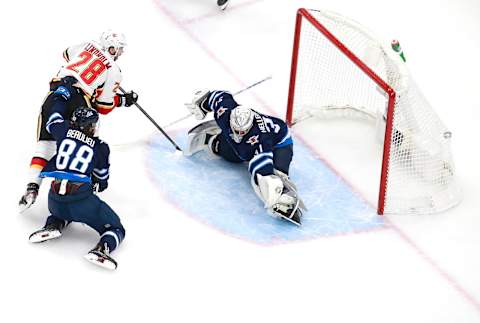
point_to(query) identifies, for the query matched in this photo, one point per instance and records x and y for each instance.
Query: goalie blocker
(240, 134)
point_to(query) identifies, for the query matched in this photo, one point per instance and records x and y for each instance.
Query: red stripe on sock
(38, 161)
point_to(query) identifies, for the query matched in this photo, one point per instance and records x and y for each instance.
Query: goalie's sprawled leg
(282, 157)
(280, 197)
(272, 185)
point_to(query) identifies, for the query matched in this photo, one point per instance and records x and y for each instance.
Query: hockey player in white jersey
(90, 77)
(240, 134)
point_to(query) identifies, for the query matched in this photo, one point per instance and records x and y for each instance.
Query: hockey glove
(99, 185)
(127, 99)
(62, 93)
(65, 90)
(199, 105)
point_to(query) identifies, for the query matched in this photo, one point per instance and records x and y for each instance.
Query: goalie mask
(241, 121)
(113, 43)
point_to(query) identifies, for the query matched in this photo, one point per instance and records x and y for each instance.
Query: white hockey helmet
(113, 43)
(241, 121)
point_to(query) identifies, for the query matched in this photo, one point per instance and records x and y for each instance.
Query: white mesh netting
(419, 170)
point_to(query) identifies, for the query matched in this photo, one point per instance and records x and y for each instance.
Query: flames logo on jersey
(253, 140)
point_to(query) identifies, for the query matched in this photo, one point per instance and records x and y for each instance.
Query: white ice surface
(173, 268)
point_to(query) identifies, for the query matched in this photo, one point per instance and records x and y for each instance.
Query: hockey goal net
(340, 70)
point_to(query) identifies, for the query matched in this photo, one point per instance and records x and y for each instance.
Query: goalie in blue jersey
(240, 134)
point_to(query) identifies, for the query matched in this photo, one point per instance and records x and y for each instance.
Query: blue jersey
(258, 145)
(78, 157)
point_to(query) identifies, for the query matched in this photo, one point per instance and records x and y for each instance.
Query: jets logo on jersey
(253, 140)
(220, 112)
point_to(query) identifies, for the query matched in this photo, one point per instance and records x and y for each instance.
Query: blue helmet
(84, 119)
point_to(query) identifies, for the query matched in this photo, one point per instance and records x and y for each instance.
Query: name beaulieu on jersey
(77, 134)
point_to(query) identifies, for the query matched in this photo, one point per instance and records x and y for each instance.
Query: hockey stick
(236, 93)
(154, 123)
(252, 85)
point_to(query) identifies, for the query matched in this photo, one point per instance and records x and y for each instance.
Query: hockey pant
(85, 207)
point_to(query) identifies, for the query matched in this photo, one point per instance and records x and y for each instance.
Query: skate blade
(43, 236)
(100, 261)
(297, 214)
(291, 220)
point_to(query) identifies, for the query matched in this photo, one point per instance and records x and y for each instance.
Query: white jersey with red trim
(96, 71)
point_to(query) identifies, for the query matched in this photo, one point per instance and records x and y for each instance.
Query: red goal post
(340, 69)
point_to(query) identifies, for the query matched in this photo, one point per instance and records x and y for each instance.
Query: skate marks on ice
(219, 194)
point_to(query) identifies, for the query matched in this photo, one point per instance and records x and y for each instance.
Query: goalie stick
(236, 93)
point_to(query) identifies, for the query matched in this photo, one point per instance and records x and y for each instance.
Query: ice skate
(48, 232)
(29, 197)
(222, 4)
(100, 256)
(293, 215)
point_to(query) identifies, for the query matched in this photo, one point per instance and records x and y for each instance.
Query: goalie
(240, 134)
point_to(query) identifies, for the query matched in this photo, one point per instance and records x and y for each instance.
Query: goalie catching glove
(199, 105)
(280, 197)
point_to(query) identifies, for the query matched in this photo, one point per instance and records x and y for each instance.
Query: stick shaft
(252, 85)
(236, 93)
(154, 123)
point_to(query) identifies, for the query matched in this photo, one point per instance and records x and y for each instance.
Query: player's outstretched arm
(56, 124)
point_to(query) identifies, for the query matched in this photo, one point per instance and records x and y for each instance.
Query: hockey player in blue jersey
(240, 134)
(80, 164)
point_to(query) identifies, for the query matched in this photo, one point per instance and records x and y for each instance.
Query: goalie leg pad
(197, 137)
(269, 189)
(280, 200)
(291, 187)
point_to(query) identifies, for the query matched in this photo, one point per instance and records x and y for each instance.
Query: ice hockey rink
(199, 247)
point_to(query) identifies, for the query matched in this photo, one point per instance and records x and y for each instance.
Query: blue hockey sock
(112, 238)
